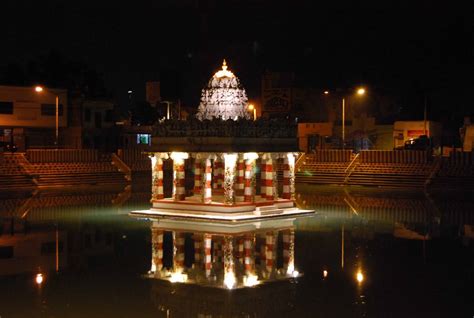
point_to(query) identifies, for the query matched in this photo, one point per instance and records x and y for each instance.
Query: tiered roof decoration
(223, 97)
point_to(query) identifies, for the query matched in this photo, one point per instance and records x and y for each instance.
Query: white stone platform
(193, 209)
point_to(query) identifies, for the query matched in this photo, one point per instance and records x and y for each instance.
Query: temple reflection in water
(223, 255)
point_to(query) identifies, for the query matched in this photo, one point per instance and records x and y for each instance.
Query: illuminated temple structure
(234, 161)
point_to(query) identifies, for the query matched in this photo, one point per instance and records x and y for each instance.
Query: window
(50, 110)
(6, 107)
(87, 115)
(6, 252)
(143, 139)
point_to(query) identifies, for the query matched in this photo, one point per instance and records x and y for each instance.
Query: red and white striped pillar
(179, 258)
(218, 173)
(207, 240)
(239, 184)
(248, 253)
(269, 194)
(270, 251)
(286, 180)
(263, 251)
(291, 174)
(197, 176)
(156, 250)
(207, 191)
(157, 178)
(263, 173)
(179, 190)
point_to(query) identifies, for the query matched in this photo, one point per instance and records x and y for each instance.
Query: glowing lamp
(39, 279)
(359, 277)
(38, 89)
(361, 91)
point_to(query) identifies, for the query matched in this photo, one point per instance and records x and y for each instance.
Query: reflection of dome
(223, 97)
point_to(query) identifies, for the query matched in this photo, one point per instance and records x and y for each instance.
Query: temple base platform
(193, 209)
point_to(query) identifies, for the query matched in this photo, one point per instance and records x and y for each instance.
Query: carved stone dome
(223, 97)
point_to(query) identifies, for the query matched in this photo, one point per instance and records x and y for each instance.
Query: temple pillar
(156, 250)
(286, 179)
(263, 185)
(229, 265)
(229, 176)
(179, 190)
(291, 174)
(197, 176)
(248, 253)
(240, 250)
(157, 177)
(239, 184)
(207, 240)
(275, 179)
(267, 178)
(207, 188)
(218, 173)
(249, 177)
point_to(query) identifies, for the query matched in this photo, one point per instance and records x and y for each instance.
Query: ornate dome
(223, 97)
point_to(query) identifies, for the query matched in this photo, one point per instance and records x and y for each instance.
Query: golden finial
(224, 65)
(224, 72)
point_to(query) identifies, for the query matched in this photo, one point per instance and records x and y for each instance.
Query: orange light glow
(326, 92)
(38, 89)
(361, 91)
(39, 279)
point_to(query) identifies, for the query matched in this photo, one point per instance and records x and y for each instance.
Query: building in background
(28, 118)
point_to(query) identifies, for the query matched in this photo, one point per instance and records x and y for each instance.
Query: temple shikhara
(226, 167)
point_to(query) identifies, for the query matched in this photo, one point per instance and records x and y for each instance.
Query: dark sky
(402, 48)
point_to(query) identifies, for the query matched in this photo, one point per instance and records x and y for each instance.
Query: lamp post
(40, 89)
(167, 108)
(360, 92)
(254, 110)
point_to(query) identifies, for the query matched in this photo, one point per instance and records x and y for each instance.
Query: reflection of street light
(359, 277)
(40, 89)
(254, 110)
(39, 279)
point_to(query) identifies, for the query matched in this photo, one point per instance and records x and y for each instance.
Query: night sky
(402, 49)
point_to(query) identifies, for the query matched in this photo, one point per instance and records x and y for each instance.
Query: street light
(40, 89)
(360, 92)
(254, 110)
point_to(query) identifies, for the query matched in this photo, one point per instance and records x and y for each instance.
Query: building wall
(27, 107)
(307, 129)
(405, 130)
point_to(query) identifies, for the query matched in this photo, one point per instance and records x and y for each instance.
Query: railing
(354, 163)
(122, 166)
(434, 170)
(300, 161)
(27, 167)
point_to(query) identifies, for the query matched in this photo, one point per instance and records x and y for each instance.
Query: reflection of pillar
(269, 179)
(179, 191)
(229, 176)
(248, 248)
(286, 180)
(179, 259)
(197, 176)
(291, 174)
(207, 192)
(156, 250)
(197, 250)
(229, 265)
(263, 251)
(248, 181)
(157, 178)
(275, 180)
(239, 184)
(240, 250)
(289, 251)
(270, 251)
(207, 240)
